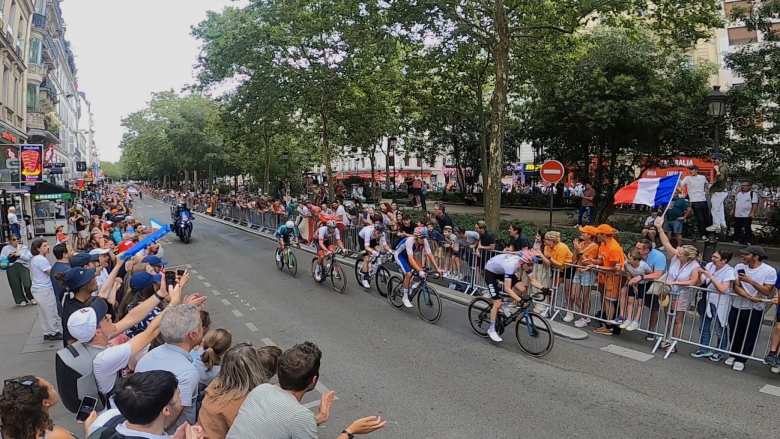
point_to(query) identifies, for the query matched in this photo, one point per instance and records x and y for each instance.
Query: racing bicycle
(377, 271)
(330, 268)
(428, 300)
(286, 259)
(533, 332)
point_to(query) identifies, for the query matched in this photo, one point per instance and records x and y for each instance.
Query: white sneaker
(713, 228)
(738, 366)
(494, 336)
(633, 326)
(365, 283)
(729, 361)
(569, 317)
(581, 323)
(625, 324)
(775, 369)
(406, 301)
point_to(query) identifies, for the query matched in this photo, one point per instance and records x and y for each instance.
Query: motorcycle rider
(179, 212)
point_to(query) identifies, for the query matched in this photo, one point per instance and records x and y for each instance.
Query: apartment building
(14, 41)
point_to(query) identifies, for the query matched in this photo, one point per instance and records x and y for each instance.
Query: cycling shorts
(328, 245)
(495, 283)
(403, 261)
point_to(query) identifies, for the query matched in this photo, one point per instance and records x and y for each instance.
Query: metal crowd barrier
(590, 293)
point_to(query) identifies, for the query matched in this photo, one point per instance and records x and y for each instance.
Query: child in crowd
(648, 229)
(60, 235)
(208, 357)
(633, 293)
(269, 358)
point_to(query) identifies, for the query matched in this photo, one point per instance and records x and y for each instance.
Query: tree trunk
(387, 166)
(267, 170)
(372, 159)
(492, 179)
(326, 157)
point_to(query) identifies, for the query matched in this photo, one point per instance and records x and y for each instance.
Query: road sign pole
(549, 226)
(552, 172)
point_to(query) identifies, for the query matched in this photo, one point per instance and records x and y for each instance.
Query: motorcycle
(183, 227)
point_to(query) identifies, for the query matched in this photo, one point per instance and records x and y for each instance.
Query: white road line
(770, 390)
(626, 352)
(269, 342)
(200, 277)
(216, 293)
(189, 265)
(238, 313)
(194, 271)
(206, 284)
(226, 302)
(251, 326)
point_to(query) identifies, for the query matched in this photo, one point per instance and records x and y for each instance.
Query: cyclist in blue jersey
(283, 234)
(404, 257)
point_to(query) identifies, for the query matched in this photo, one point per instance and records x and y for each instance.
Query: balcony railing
(38, 70)
(36, 120)
(39, 21)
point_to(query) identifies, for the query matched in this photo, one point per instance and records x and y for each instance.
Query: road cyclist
(285, 234)
(374, 244)
(328, 241)
(404, 257)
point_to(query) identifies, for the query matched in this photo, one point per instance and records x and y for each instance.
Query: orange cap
(606, 229)
(590, 230)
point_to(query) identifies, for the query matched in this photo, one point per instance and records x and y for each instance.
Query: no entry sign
(552, 171)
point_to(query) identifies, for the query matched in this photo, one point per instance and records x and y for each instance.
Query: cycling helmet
(289, 224)
(420, 232)
(525, 257)
(379, 227)
(331, 224)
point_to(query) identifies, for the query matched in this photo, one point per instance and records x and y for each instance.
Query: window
(739, 36)
(6, 80)
(36, 50)
(40, 7)
(32, 98)
(15, 99)
(406, 161)
(12, 17)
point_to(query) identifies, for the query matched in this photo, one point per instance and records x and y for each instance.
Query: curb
(446, 293)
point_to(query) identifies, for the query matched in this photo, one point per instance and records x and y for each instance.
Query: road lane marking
(206, 284)
(770, 390)
(251, 326)
(626, 352)
(200, 277)
(238, 313)
(226, 302)
(216, 293)
(194, 271)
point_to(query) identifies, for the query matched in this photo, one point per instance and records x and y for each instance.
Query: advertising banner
(31, 163)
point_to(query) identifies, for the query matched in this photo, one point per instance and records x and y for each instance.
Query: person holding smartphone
(755, 283)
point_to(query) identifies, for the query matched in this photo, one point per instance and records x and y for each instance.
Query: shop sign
(32, 163)
(8, 137)
(55, 197)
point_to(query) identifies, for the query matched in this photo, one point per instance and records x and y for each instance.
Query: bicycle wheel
(338, 280)
(382, 279)
(292, 263)
(479, 316)
(359, 273)
(428, 304)
(279, 259)
(314, 268)
(536, 338)
(395, 292)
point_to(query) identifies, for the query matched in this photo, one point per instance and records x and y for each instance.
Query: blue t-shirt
(656, 260)
(284, 232)
(777, 284)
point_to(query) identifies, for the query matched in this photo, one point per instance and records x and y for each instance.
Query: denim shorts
(585, 278)
(675, 227)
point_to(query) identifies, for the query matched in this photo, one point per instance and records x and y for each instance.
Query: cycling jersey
(285, 233)
(326, 235)
(405, 249)
(500, 267)
(367, 233)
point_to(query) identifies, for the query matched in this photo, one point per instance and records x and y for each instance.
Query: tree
(754, 114)
(112, 170)
(624, 101)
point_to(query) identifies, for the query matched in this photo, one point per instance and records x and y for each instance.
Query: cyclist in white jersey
(374, 242)
(500, 277)
(327, 236)
(404, 256)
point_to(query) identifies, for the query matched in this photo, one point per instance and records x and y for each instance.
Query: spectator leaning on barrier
(43, 291)
(718, 277)
(18, 271)
(556, 255)
(586, 253)
(755, 285)
(697, 186)
(182, 330)
(657, 262)
(683, 272)
(24, 409)
(272, 412)
(611, 260)
(518, 241)
(242, 370)
(633, 292)
(773, 356)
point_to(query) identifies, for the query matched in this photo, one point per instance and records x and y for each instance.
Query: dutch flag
(653, 192)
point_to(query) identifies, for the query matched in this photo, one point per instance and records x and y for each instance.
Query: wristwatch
(349, 435)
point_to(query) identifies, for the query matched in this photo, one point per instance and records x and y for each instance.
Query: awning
(45, 134)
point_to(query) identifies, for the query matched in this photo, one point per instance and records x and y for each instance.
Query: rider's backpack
(76, 375)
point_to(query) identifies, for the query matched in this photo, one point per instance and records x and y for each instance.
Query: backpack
(76, 376)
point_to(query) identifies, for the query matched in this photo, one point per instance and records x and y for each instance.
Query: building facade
(14, 41)
(53, 100)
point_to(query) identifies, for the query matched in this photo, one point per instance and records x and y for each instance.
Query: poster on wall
(9, 165)
(32, 163)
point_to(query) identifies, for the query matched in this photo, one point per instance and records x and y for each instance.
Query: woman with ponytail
(208, 358)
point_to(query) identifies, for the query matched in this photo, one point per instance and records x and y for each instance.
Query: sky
(127, 49)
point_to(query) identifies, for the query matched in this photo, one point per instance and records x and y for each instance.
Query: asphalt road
(442, 381)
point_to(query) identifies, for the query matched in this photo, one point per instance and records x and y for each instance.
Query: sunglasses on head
(25, 381)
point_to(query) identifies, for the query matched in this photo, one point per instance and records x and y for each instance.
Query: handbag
(4, 263)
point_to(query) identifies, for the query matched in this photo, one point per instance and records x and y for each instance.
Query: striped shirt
(272, 413)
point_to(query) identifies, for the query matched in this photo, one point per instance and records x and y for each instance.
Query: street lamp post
(716, 108)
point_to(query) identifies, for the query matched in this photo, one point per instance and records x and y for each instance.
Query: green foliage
(112, 170)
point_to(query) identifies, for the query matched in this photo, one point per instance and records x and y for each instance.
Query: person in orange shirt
(556, 255)
(611, 261)
(586, 254)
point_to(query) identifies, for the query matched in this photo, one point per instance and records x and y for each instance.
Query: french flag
(653, 192)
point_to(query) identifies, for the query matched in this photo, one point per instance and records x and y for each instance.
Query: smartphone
(86, 408)
(170, 278)
(741, 271)
(180, 272)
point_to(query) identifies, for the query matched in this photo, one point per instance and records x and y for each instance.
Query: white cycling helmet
(289, 224)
